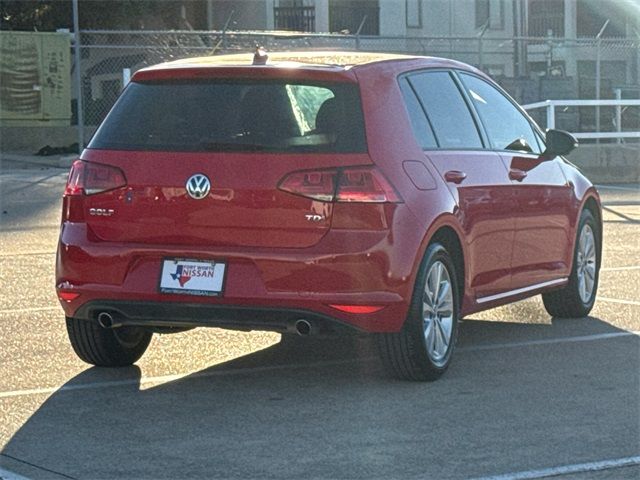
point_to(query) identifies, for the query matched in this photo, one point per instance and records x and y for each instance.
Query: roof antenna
(260, 57)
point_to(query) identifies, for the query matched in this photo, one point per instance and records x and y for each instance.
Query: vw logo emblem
(198, 186)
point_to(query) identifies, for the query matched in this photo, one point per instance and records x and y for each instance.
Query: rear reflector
(88, 178)
(68, 296)
(357, 308)
(350, 184)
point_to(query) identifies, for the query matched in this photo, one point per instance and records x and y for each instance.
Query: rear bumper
(189, 315)
(265, 289)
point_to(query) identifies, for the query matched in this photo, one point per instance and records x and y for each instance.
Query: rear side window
(421, 128)
(446, 109)
(199, 116)
(506, 126)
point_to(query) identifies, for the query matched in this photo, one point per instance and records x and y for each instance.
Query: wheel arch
(450, 240)
(446, 231)
(591, 204)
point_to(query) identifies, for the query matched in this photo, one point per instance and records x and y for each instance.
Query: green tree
(49, 15)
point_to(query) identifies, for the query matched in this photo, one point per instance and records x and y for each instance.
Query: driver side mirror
(559, 142)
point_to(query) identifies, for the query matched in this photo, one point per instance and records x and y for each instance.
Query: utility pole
(209, 15)
(78, 75)
(483, 30)
(598, 73)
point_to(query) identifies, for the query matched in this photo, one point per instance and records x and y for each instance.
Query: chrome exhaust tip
(105, 320)
(303, 327)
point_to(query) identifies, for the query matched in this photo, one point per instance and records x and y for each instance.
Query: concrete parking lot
(527, 396)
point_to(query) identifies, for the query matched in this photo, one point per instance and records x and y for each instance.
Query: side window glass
(506, 127)
(447, 110)
(421, 128)
(542, 143)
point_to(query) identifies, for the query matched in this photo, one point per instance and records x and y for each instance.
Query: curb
(54, 161)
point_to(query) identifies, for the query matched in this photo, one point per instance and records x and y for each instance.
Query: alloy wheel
(586, 263)
(438, 312)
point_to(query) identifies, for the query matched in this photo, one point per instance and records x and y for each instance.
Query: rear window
(201, 116)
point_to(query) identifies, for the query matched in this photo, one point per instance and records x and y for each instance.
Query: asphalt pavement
(527, 396)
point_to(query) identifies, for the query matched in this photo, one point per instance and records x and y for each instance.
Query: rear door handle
(455, 176)
(517, 174)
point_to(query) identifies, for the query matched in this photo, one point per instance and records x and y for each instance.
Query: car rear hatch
(222, 161)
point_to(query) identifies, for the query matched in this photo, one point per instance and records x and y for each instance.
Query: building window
(349, 15)
(490, 13)
(592, 15)
(294, 15)
(546, 18)
(414, 13)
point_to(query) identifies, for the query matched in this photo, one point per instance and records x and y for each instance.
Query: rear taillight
(75, 181)
(350, 184)
(317, 184)
(364, 185)
(88, 178)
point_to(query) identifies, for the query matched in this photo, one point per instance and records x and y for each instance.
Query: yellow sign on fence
(35, 79)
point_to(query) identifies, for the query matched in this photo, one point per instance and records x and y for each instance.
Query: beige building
(454, 27)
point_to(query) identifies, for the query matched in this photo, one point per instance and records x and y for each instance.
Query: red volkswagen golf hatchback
(320, 192)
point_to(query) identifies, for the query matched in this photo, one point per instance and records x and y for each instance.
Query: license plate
(192, 277)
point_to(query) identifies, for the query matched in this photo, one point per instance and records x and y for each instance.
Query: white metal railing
(551, 105)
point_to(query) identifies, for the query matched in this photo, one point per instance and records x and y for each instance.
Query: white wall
(392, 18)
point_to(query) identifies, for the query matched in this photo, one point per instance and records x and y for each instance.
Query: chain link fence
(530, 69)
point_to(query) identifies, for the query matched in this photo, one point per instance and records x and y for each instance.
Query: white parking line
(34, 309)
(22, 254)
(604, 299)
(567, 469)
(245, 371)
(620, 269)
(616, 300)
(613, 187)
(8, 475)
(171, 378)
(549, 341)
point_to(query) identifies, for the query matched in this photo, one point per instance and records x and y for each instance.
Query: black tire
(405, 354)
(567, 302)
(116, 347)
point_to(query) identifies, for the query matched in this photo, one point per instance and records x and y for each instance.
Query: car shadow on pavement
(31, 200)
(324, 408)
